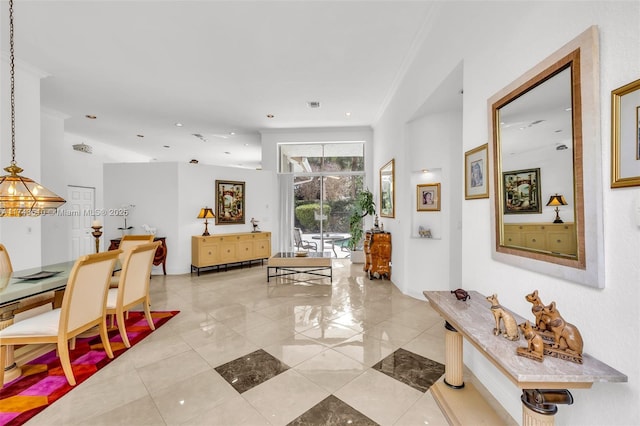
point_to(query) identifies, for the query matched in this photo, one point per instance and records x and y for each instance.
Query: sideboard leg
(453, 369)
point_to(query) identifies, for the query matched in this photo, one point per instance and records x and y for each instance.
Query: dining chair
(5, 261)
(127, 242)
(83, 307)
(133, 287)
(303, 244)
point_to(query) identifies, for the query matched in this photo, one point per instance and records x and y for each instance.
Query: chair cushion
(45, 324)
(112, 298)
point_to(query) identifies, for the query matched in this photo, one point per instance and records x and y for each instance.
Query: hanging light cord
(13, 84)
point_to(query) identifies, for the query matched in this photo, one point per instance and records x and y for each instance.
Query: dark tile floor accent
(411, 369)
(332, 411)
(251, 370)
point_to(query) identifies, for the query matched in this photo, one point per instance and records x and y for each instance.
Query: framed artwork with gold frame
(229, 202)
(476, 173)
(428, 197)
(625, 135)
(387, 190)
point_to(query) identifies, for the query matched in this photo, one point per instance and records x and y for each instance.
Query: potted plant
(362, 207)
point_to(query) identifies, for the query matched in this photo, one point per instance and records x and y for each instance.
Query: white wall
(498, 42)
(169, 196)
(21, 236)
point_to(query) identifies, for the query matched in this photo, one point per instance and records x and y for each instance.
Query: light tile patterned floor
(352, 351)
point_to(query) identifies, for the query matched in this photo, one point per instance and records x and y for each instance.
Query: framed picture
(229, 202)
(476, 173)
(387, 193)
(625, 136)
(428, 197)
(521, 191)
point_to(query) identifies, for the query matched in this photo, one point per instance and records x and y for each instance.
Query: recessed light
(227, 152)
(91, 116)
(425, 171)
(246, 144)
(270, 115)
(178, 124)
(232, 133)
(348, 114)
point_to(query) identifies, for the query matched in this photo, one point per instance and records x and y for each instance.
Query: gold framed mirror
(544, 132)
(387, 191)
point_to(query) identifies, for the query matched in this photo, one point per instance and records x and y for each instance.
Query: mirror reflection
(535, 167)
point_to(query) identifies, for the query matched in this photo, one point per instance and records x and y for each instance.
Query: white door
(81, 200)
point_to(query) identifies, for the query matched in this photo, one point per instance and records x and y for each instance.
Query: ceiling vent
(313, 104)
(199, 136)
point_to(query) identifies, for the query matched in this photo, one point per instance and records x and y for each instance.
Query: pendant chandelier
(19, 195)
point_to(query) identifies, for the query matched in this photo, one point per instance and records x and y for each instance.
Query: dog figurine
(499, 313)
(566, 336)
(536, 309)
(535, 345)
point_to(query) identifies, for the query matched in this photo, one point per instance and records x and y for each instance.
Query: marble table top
(474, 320)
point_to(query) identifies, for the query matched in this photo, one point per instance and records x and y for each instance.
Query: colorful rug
(43, 382)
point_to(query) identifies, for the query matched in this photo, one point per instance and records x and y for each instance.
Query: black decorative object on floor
(411, 369)
(332, 411)
(251, 370)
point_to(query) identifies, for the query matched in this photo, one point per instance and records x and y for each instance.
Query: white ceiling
(216, 66)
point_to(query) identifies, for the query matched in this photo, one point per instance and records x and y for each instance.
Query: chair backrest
(5, 261)
(86, 292)
(135, 274)
(129, 241)
(297, 237)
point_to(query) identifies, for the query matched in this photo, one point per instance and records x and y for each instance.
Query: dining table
(21, 290)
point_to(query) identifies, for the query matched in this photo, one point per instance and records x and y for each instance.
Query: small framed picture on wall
(428, 197)
(476, 167)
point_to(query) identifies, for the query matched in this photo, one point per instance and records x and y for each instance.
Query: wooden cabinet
(377, 253)
(225, 249)
(551, 237)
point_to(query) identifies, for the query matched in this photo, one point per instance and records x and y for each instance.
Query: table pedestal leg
(11, 369)
(453, 369)
(539, 405)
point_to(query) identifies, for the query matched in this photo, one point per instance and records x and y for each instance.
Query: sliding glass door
(326, 179)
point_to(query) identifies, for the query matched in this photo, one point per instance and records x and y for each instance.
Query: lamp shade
(206, 213)
(22, 196)
(557, 200)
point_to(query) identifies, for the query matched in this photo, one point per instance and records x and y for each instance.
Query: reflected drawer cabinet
(224, 249)
(552, 237)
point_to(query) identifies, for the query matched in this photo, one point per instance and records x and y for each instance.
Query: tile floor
(242, 352)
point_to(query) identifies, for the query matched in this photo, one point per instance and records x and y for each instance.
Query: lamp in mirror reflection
(206, 213)
(19, 195)
(557, 201)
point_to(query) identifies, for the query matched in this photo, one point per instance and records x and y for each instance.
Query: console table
(160, 258)
(543, 384)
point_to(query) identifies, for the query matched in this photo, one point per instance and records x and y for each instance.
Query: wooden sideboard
(377, 254)
(551, 237)
(225, 249)
(160, 258)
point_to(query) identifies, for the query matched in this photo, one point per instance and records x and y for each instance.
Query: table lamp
(556, 201)
(206, 213)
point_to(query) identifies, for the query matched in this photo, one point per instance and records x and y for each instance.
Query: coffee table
(288, 263)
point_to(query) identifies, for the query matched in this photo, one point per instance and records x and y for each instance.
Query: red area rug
(43, 382)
